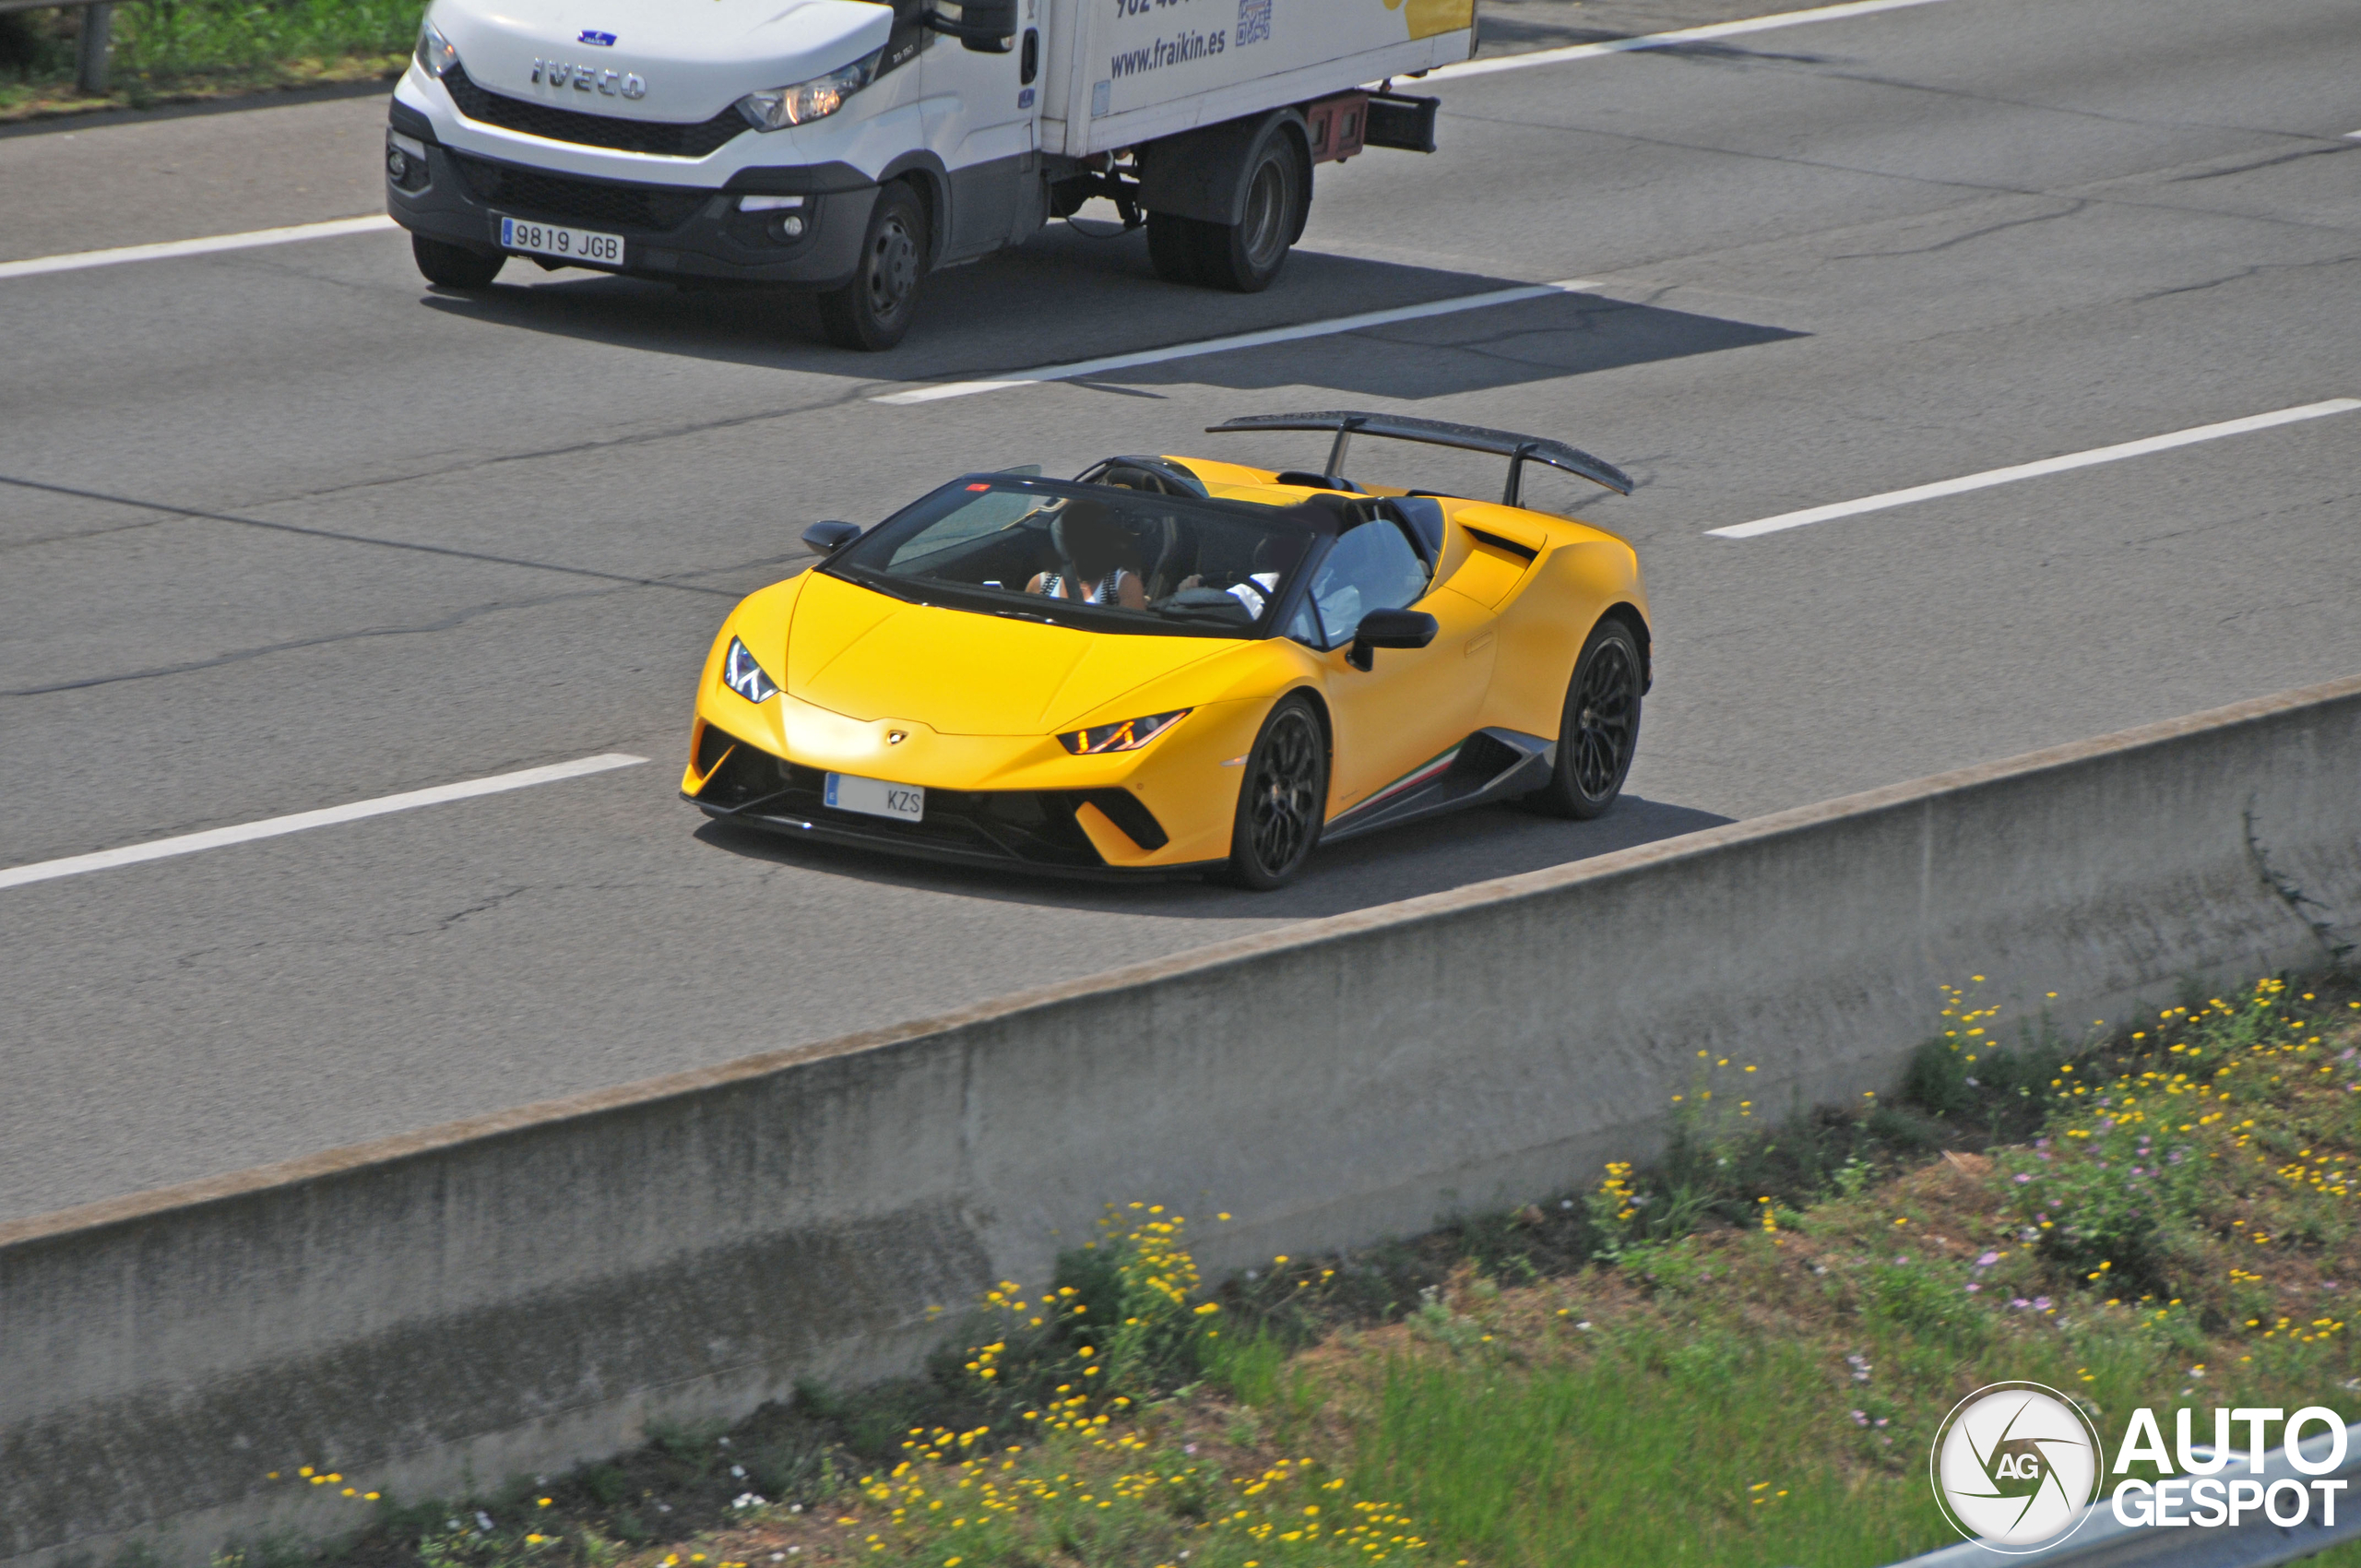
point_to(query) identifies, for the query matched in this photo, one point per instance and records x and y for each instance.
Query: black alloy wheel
(1282, 800)
(1601, 727)
(873, 310)
(455, 267)
(1245, 256)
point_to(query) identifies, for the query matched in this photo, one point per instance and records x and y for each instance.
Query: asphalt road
(282, 528)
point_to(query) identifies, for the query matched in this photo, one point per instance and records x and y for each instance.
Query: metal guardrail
(2103, 1541)
(92, 49)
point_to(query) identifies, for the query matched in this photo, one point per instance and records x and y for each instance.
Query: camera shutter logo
(2015, 1466)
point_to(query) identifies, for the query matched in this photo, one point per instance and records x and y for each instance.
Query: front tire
(1600, 728)
(1282, 799)
(872, 311)
(455, 267)
(1245, 256)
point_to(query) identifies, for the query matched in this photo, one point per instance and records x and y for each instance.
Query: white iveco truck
(848, 146)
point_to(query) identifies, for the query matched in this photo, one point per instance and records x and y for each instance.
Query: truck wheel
(1172, 246)
(455, 267)
(873, 310)
(1246, 256)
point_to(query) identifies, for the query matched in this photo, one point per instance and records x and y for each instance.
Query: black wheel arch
(930, 183)
(1201, 174)
(1637, 625)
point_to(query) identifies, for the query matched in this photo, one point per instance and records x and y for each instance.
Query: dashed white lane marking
(1491, 64)
(216, 838)
(1786, 520)
(248, 241)
(1329, 328)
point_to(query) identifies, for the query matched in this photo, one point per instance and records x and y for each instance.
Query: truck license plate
(570, 244)
(874, 797)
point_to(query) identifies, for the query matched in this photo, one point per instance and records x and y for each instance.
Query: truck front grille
(655, 209)
(666, 138)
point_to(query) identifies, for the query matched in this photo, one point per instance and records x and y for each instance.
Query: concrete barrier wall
(524, 1290)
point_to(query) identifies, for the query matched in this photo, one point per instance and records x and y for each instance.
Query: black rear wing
(1518, 449)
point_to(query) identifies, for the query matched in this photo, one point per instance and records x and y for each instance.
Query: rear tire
(1245, 256)
(872, 311)
(455, 267)
(1599, 730)
(1172, 246)
(1282, 800)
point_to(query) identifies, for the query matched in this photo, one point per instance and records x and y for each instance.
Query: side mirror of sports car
(1389, 628)
(829, 537)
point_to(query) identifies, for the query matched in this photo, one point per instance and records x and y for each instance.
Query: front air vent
(662, 138)
(602, 203)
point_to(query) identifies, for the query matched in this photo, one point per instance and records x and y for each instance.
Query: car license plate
(570, 244)
(874, 797)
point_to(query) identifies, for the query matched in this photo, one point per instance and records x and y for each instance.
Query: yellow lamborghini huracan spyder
(1172, 664)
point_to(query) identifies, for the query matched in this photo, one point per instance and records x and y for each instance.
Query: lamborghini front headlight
(1128, 736)
(743, 676)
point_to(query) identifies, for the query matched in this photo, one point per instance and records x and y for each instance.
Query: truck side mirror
(987, 26)
(1389, 628)
(829, 537)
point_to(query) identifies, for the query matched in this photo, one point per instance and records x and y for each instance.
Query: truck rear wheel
(873, 310)
(455, 267)
(1245, 256)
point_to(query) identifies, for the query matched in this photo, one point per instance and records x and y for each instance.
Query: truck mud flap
(1401, 120)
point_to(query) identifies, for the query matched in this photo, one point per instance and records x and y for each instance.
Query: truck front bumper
(672, 234)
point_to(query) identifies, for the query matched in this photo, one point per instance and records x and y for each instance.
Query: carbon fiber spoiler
(1518, 449)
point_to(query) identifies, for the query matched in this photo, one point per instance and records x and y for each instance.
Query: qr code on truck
(1253, 21)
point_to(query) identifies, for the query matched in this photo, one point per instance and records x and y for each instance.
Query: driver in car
(1097, 551)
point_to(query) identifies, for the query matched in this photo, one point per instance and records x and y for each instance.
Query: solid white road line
(213, 839)
(248, 240)
(1333, 324)
(1491, 64)
(1786, 520)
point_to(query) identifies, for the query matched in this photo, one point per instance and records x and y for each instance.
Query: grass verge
(1736, 1356)
(186, 51)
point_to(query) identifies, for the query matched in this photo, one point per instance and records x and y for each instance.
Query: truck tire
(455, 267)
(1245, 256)
(873, 310)
(1173, 243)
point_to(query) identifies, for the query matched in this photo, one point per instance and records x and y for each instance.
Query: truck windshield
(1095, 557)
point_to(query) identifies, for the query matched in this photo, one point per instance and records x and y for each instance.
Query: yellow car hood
(868, 657)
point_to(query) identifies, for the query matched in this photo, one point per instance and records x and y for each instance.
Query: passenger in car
(1096, 552)
(1273, 556)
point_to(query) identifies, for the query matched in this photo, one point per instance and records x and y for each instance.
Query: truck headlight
(807, 101)
(435, 53)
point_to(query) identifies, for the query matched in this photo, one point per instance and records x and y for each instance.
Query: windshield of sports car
(1100, 558)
